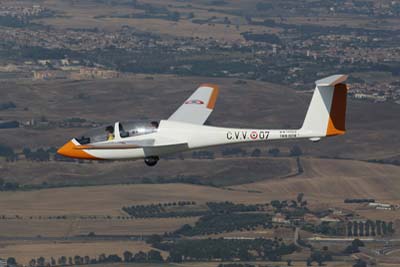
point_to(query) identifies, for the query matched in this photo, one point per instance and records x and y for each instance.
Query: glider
(184, 129)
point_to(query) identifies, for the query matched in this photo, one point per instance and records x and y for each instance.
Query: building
(49, 75)
(311, 218)
(381, 206)
(280, 218)
(331, 218)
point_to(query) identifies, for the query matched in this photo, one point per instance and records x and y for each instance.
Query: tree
(367, 227)
(9, 186)
(354, 246)
(256, 153)
(62, 261)
(349, 229)
(102, 258)
(372, 223)
(360, 263)
(175, 16)
(390, 228)
(378, 227)
(154, 256)
(140, 257)
(276, 204)
(11, 261)
(357, 243)
(384, 228)
(295, 151)
(274, 152)
(361, 228)
(114, 258)
(355, 228)
(244, 255)
(300, 197)
(175, 256)
(78, 260)
(128, 256)
(41, 261)
(7, 152)
(154, 239)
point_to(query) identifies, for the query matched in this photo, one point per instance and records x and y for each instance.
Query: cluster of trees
(40, 154)
(227, 249)
(359, 200)
(8, 153)
(227, 222)
(261, 37)
(7, 105)
(162, 210)
(386, 161)
(288, 207)
(174, 209)
(236, 265)
(367, 228)
(229, 207)
(274, 152)
(240, 152)
(327, 228)
(234, 151)
(22, 21)
(319, 256)
(354, 247)
(9, 124)
(152, 256)
(11, 21)
(11, 261)
(203, 154)
(370, 228)
(8, 186)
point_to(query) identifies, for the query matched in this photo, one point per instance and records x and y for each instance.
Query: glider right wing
(198, 107)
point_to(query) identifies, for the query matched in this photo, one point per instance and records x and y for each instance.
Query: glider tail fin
(326, 115)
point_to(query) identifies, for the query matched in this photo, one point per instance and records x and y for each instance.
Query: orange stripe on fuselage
(337, 115)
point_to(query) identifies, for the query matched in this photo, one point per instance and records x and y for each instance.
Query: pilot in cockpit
(110, 133)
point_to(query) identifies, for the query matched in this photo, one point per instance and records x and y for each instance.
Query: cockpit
(119, 130)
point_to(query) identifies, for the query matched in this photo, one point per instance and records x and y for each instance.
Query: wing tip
(214, 94)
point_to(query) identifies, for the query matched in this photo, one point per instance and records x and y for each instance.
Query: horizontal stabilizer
(332, 80)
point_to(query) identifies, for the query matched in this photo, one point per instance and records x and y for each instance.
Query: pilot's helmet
(110, 129)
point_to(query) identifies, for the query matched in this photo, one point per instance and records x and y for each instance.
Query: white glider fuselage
(172, 137)
(185, 129)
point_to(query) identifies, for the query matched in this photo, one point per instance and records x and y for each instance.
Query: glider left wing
(198, 107)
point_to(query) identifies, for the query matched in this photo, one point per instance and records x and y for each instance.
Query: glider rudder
(326, 115)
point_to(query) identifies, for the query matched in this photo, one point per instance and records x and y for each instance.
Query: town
(273, 49)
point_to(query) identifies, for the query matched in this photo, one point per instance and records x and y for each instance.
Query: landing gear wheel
(151, 161)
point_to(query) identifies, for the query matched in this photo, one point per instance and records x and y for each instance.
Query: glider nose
(72, 150)
(67, 150)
